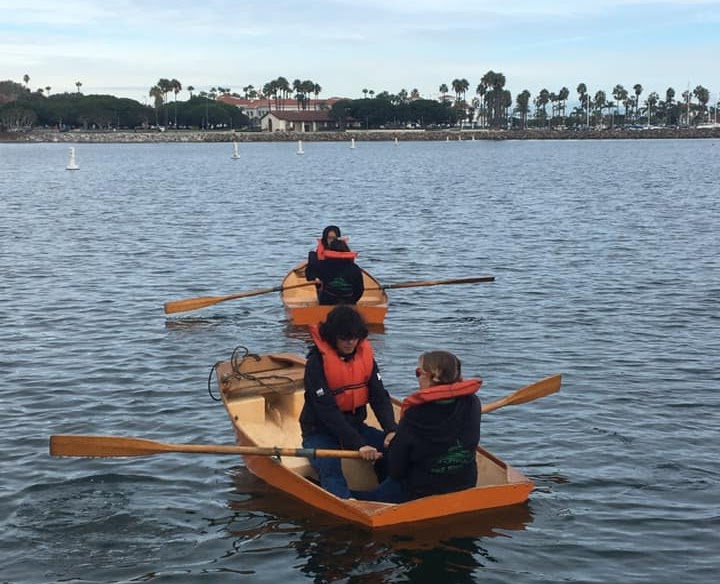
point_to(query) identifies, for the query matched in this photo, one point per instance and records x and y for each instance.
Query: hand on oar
(94, 446)
(526, 394)
(471, 280)
(203, 301)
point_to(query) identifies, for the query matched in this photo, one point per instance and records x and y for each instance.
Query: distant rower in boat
(433, 451)
(339, 278)
(329, 234)
(341, 379)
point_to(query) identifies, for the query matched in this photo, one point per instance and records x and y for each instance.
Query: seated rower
(341, 380)
(339, 278)
(433, 450)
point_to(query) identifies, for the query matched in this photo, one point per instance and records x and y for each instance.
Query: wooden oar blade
(536, 390)
(191, 303)
(203, 301)
(527, 394)
(103, 446)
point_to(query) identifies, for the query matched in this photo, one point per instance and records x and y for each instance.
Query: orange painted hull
(264, 397)
(302, 308)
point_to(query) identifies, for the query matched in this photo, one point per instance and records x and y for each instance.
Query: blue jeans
(388, 491)
(329, 470)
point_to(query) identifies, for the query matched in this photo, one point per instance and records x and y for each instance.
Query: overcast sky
(122, 47)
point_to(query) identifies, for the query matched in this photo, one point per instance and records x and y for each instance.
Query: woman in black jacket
(433, 450)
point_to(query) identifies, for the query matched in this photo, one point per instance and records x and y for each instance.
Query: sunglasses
(419, 372)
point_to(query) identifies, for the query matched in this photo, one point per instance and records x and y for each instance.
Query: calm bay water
(607, 264)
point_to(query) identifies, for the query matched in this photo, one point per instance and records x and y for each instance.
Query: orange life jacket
(324, 253)
(347, 380)
(441, 392)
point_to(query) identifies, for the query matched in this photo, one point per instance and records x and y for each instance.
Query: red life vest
(441, 392)
(347, 380)
(324, 253)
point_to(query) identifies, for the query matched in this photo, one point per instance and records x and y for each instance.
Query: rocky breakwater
(130, 136)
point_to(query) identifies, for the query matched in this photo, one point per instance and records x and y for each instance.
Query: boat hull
(301, 303)
(264, 395)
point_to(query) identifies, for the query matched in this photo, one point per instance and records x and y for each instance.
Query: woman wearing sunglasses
(341, 379)
(433, 450)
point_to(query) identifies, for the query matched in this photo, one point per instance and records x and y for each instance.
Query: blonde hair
(442, 366)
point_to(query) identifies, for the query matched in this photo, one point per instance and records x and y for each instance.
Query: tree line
(490, 106)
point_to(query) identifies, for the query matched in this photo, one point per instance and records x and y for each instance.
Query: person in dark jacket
(329, 234)
(340, 278)
(341, 379)
(433, 450)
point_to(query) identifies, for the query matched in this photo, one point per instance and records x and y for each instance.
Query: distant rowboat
(301, 302)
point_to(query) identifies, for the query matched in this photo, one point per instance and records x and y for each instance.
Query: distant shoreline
(147, 136)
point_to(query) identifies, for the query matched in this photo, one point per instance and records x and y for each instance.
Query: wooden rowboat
(301, 303)
(263, 395)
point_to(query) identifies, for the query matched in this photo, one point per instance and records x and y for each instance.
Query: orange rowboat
(263, 395)
(301, 303)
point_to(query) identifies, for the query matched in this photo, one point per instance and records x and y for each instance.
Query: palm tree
(599, 102)
(494, 84)
(582, 92)
(638, 89)
(480, 91)
(621, 95)
(47, 89)
(365, 92)
(443, 92)
(651, 104)
(317, 90)
(176, 88)
(460, 86)
(703, 97)
(78, 84)
(523, 106)
(26, 79)
(541, 102)
(157, 95)
(190, 89)
(562, 100)
(283, 87)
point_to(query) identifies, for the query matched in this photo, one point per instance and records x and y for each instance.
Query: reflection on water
(331, 550)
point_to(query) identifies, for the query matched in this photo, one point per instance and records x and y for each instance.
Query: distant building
(256, 108)
(297, 121)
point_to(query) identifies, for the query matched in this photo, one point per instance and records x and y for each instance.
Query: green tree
(176, 88)
(638, 89)
(523, 106)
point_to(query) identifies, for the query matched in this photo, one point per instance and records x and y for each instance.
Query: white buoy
(72, 165)
(235, 155)
(300, 148)
(352, 143)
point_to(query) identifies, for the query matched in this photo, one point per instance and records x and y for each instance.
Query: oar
(77, 445)
(203, 301)
(436, 282)
(526, 394)
(103, 446)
